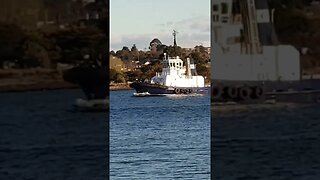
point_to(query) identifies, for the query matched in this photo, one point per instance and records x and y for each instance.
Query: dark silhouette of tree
(134, 48)
(11, 37)
(125, 48)
(173, 51)
(290, 20)
(154, 43)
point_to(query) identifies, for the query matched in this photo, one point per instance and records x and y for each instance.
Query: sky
(140, 21)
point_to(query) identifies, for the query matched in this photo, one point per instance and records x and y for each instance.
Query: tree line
(38, 48)
(25, 44)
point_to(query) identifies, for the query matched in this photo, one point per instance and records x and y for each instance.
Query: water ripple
(159, 137)
(266, 142)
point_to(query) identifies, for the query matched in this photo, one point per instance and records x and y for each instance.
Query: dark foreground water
(42, 137)
(266, 142)
(159, 137)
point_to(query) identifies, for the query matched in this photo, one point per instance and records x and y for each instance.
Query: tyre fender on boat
(244, 93)
(257, 92)
(177, 90)
(216, 91)
(232, 92)
(190, 91)
(184, 91)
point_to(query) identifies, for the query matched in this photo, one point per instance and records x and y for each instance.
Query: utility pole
(175, 42)
(174, 37)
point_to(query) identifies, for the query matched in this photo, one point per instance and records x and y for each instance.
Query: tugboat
(175, 78)
(249, 63)
(92, 77)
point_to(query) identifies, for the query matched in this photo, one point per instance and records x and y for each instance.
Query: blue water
(43, 137)
(159, 137)
(266, 142)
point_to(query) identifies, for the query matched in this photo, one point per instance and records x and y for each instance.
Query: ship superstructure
(248, 61)
(244, 44)
(175, 74)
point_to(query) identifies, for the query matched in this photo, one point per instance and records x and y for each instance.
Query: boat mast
(175, 42)
(251, 34)
(174, 37)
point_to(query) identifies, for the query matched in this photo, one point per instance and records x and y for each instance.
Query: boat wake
(146, 94)
(184, 95)
(95, 105)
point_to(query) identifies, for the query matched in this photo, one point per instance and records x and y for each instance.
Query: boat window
(224, 8)
(215, 7)
(225, 19)
(215, 18)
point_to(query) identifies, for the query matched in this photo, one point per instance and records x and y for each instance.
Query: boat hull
(155, 89)
(92, 80)
(282, 91)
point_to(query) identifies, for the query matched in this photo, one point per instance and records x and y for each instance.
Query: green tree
(116, 76)
(203, 70)
(125, 48)
(173, 51)
(112, 53)
(115, 63)
(120, 78)
(289, 17)
(112, 74)
(10, 45)
(134, 75)
(134, 48)
(154, 43)
(134, 53)
(36, 54)
(198, 58)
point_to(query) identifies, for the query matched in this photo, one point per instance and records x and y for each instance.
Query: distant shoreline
(40, 86)
(119, 87)
(37, 79)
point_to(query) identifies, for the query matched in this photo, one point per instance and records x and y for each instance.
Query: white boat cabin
(175, 74)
